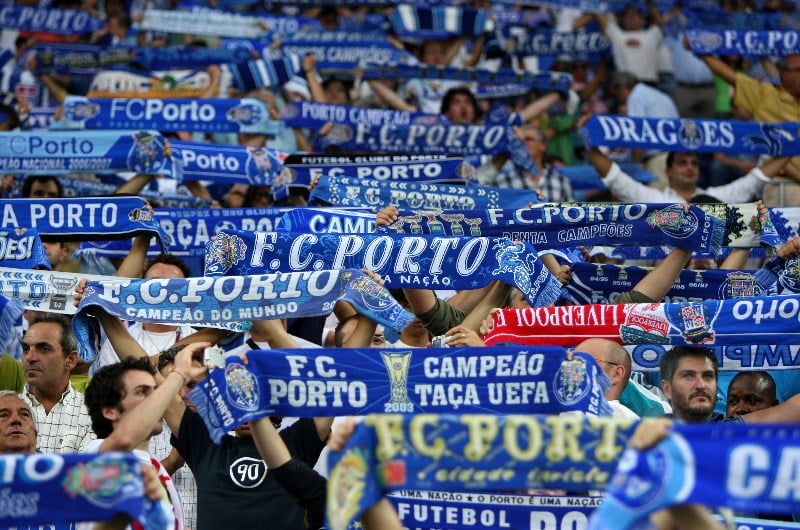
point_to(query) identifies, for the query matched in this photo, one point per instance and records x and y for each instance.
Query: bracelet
(185, 377)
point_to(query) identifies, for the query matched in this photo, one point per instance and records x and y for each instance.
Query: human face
(336, 93)
(163, 271)
(44, 190)
(137, 385)
(461, 111)
(43, 360)
(684, 171)
(533, 142)
(693, 389)
(790, 75)
(746, 394)
(56, 253)
(631, 19)
(17, 429)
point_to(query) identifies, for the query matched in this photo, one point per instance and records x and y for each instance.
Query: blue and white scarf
(751, 43)
(227, 163)
(342, 54)
(372, 381)
(413, 262)
(555, 225)
(188, 230)
(39, 118)
(732, 358)
(554, 43)
(452, 169)
(439, 22)
(732, 465)
(438, 138)
(258, 73)
(44, 20)
(327, 221)
(22, 251)
(201, 22)
(80, 218)
(701, 136)
(169, 114)
(84, 188)
(546, 81)
(312, 115)
(702, 17)
(49, 153)
(456, 509)
(83, 58)
(602, 284)
(345, 191)
(232, 302)
(53, 489)
(470, 453)
(40, 290)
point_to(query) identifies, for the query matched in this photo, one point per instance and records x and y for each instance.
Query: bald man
(616, 364)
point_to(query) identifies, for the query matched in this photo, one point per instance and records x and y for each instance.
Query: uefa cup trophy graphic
(397, 364)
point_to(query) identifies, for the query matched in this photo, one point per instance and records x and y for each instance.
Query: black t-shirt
(234, 489)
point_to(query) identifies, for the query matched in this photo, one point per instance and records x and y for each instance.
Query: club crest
(241, 387)
(674, 222)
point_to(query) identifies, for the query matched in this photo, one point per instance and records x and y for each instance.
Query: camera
(440, 341)
(214, 356)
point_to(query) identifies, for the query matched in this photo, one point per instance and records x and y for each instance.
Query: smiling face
(17, 429)
(684, 171)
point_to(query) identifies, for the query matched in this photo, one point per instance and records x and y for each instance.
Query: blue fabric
(252, 75)
(402, 261)
(79, 218)
(701, 136)
(731, 465)
(232, 302)
(545, 81)
(44, 20)
(437, 138)
(438, 22)
(492, 510)
(57, 153)
(84, 188)
(309, 114)
(470, 453)
(553, 226)
(601, 284)
(22, 251)
(343, 54)
(327, 220)
(310, 383)
(743, 42)
(58, 489)
(247, 115)
(549, 42)
(227, 163)
(457, 170)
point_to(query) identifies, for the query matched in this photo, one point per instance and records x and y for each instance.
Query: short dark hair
(450, 95)
(68, 341)
(106, 389)
(168, 259)
(669, 361)
(759, 375)
(672, 154)
(30, 180)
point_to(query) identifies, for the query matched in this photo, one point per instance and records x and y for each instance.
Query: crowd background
(645, 70)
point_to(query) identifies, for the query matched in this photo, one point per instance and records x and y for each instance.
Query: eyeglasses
(791, 70)
(607, 362)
